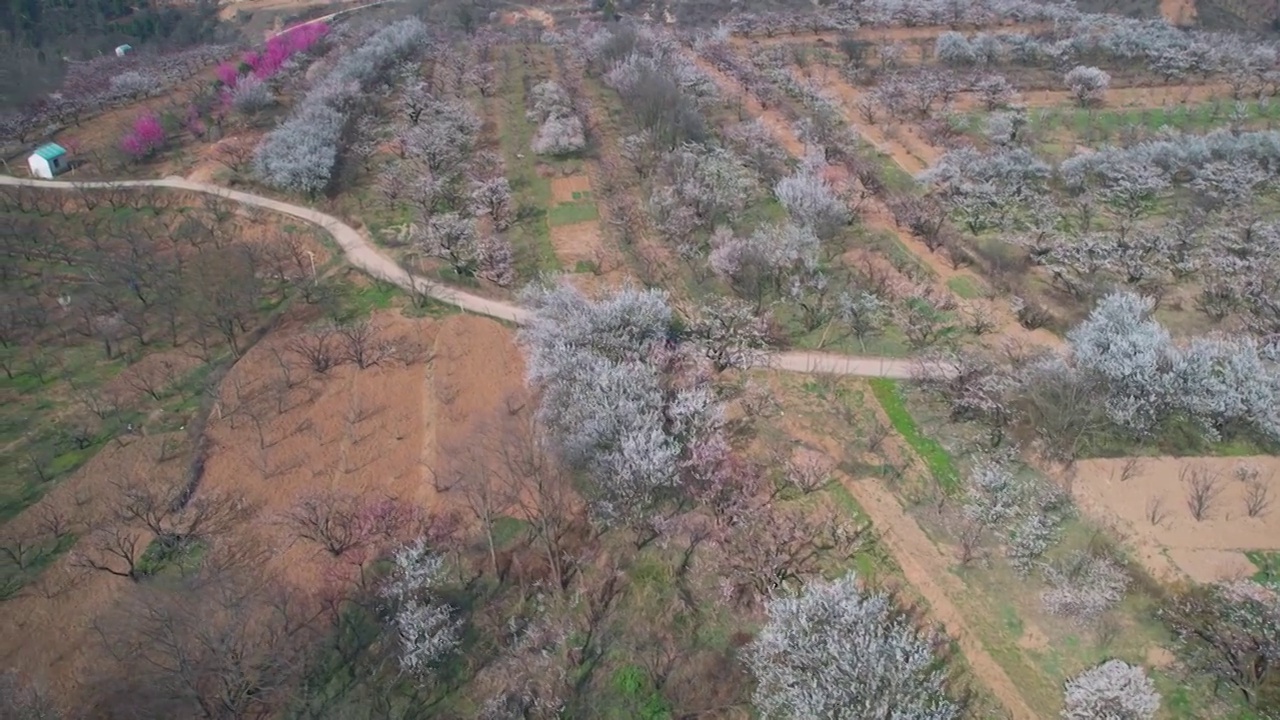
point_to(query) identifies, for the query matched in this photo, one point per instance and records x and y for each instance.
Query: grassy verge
(1268, 564)
(965, 287)
(935, 457)
(568, 213)
(530, 235)
(1178, 437)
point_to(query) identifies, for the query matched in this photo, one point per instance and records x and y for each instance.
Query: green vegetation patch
(530, 235)
(935, 457)
(1268, 564)
(22, 563)
(569, 213)
(966, 287)
(637, 696)
(171, 555)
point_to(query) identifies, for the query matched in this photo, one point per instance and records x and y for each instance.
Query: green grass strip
(1268, 564)
(935, 457)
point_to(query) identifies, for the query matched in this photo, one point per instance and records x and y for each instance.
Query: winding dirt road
(362, 254)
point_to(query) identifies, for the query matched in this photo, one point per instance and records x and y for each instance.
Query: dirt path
(1179, 12)
(774, 120)
(1149, 98)
(911, 153)
(929, 572)
(365, 256)
(890, 34)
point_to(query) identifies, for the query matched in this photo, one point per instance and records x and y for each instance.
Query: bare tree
(329, 518)
(773, 549)
(360, 343)
(25, 699)
(1156, 512)
(1257, 498)
(320, 347)
(810, 472)
(149, 515)
(116, 550)
(486, 496)
(1131, 469)
(229, 644)
(1202, 488)
(541, 492)
(340, 521)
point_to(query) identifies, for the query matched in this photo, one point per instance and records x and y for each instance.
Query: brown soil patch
(563, 188)
(478, 369)
(1179, 12)
(579, 242)
(209, 165)
(1205, 550)
(47, 631)
(275, 436)
(542, 17)
(1159, 657)
(350, 430)
(230, 9)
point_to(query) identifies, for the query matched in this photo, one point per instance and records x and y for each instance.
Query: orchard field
(874, 360)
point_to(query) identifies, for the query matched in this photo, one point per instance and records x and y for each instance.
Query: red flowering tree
(228, 74)
(282, 47)
(146, 137)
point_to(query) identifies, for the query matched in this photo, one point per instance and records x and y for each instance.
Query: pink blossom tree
(146, 137)
(228, 73)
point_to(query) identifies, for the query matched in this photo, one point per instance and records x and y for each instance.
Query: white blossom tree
(1088, 84)
(731, 332)
(493, 198)
(837, 651)
(1122, 344)
(952, 48)
(251, 95)
(811, 201)
(1083, 586)
(609, 395)
(1113, 690)
(762, 262)
(427, 627)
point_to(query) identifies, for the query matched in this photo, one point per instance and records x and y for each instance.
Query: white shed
(48, 160)
(123, 50)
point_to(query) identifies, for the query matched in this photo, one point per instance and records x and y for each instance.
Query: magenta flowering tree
(146, 137)
(228, 74)
(284, 46)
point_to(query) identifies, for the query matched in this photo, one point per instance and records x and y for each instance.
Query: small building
(124, 50)
(48, 160)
